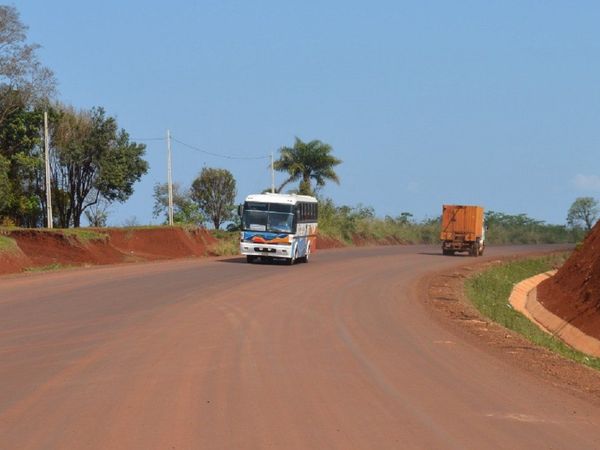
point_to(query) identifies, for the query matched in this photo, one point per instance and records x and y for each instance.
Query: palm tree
(305, 161)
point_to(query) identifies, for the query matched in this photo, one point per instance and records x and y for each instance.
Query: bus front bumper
(266, 250)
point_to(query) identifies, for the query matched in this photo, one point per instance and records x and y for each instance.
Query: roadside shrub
(345, 222)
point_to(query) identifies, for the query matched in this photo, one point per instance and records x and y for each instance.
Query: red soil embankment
(325, 242)
(44, 248)
(574, 292)
(13, 261)
(160, 243)
(94, 246)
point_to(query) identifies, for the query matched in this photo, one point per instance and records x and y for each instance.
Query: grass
(228, 243)
(8, 245)
(83, 234)
(489, 291)
(48, 267)
(345, 222)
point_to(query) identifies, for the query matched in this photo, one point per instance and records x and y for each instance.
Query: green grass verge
(228, 243)
(8, 245)
(489, 291)
(83, 235)
(49, 267)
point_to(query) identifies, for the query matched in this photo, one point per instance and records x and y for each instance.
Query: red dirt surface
(45, 248)
(13, 262)
(42, 248)
(325, 242)
(574, 292)
(198, 355)
(161, 243)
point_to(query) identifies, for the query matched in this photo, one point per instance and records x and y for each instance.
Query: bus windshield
(276, 222)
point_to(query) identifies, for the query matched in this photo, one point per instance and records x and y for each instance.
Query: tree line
(95, 163)
(93, 160)
(211, 196)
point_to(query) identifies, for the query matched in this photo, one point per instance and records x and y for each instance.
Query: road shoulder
(445, 299)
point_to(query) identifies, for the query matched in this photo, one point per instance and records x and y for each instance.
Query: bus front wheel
(304, 258)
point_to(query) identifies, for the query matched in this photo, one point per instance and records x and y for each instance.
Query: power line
(148, 139)
(218, 155)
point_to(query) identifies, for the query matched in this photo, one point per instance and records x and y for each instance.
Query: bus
(278, 227)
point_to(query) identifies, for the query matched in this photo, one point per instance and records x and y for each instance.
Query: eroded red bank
(574, 292)
(37, 248)
(43, 248)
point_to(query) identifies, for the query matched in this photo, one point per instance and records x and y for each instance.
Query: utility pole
(169, 177)
(272, 175)
(47, 163)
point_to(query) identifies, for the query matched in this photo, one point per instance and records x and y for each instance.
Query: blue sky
(487, 102)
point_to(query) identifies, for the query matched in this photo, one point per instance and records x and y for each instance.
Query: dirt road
(339, 353)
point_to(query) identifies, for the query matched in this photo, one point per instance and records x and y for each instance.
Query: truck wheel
(249, 259)
(475, 250)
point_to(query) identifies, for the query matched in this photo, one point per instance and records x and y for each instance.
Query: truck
(463, 229)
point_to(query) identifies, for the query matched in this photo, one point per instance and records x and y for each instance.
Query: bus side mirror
(240, 210)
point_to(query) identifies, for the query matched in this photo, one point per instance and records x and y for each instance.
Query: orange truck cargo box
(462, 229)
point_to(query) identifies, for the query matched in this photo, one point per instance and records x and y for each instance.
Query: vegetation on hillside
(92, 160)
(346, 222)
(214, 191)
(583, 213)
(209, 199)
(185, 210)
(489, 291)
(8, 245)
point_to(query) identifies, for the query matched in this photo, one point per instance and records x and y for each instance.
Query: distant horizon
(487, 104)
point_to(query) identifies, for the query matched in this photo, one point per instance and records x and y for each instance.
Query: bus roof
(290, 199)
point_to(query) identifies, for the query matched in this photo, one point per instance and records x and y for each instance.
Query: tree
(93, 159)
(20, 149)
(214, 191)
(97, 215)
(24, 81)
(185, 210)
(307, 161)
(5, 184)
(584, 211)
(25, 87)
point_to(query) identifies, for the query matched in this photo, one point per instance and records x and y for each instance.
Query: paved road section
(335, 354)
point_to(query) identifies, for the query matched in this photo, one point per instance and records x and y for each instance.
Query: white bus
(278, 226)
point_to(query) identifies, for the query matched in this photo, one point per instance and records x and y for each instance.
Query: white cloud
(587, 182)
